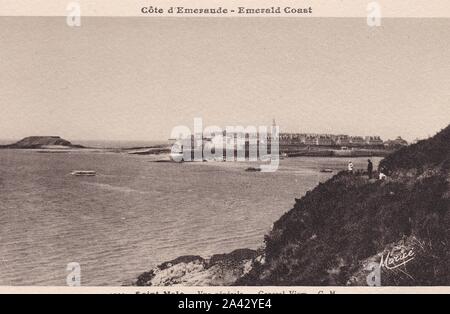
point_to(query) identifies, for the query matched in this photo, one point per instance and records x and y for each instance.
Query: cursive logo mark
(396, 258)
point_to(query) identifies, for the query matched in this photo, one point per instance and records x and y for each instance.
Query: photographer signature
(395, 259)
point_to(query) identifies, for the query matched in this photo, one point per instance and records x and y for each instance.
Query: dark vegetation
(328, 234)
(421, 156)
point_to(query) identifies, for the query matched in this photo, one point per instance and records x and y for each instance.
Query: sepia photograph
(224, 151)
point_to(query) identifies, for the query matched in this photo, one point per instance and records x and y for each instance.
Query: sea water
(136, 213)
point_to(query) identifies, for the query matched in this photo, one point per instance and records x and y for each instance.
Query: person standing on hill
(370, 168)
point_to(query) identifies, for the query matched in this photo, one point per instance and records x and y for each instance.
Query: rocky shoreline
(218, 270)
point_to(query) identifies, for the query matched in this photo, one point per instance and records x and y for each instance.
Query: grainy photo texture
(224, 151)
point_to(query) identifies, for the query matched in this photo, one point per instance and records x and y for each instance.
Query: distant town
(340, 141)
(294, 144)
(311, 139)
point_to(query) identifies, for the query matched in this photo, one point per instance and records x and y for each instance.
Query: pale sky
(137, 78)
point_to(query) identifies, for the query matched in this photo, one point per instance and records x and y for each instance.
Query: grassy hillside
(334, 229)
(421, 156)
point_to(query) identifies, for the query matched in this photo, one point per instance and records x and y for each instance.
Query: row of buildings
(330, 140)
(340, 141)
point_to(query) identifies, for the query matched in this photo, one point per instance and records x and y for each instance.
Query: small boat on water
(327, 170)
(83, 173)
(252, 169)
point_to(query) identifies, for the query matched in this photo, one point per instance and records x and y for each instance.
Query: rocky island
(41, 142)
(345, 231)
